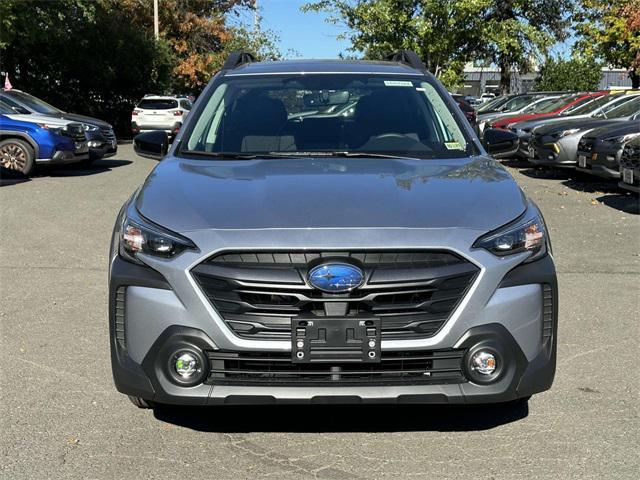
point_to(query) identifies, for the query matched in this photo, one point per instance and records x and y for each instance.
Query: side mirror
(501, 143)
(151, 144)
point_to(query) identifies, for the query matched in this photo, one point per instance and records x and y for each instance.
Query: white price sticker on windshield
(398, 83)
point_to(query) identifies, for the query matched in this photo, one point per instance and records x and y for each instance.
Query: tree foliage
(575, 74)
(448, 33)
(99, 56)
(610, 29)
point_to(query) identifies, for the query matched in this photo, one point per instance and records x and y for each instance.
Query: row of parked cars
(593, 132)
(34, 132)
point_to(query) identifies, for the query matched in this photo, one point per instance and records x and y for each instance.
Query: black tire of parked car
(17, 158)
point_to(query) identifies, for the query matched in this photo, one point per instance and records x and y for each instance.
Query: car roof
(323, 66)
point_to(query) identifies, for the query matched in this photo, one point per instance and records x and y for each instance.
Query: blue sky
(306, 33)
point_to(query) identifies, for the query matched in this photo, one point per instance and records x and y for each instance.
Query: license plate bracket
(335, 340)
(627, 175)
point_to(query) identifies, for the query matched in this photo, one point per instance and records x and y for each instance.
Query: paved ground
(62, 418)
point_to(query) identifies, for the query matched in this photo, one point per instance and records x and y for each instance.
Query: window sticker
(398, 83)
(453, 146)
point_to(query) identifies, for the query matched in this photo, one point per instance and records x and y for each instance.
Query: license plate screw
(300, 354)
(300, 344)
(372, 344)
(372, 354)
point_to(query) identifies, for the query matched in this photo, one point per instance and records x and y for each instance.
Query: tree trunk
(505, 78)
(635, 78)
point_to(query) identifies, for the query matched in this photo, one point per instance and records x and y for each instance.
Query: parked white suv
(160, 112)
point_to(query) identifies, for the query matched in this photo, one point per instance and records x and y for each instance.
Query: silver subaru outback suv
(330, 231)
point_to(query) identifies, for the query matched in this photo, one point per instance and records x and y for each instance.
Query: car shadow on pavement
(79, 170)
(342, 418)
(7, 181)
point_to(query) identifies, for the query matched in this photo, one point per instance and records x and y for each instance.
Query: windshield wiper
(232, 155)
(343, 154)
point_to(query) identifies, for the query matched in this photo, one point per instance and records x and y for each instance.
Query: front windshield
(496, 102)
(592, 106)
(557, 103)
(626, 109)
(539, 105)
(34, 103)
(306, 115)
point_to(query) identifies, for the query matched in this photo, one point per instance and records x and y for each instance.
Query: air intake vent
(547, 312)
(121, 294)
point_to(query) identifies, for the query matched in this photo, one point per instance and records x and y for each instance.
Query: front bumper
(63, 157)
(601, 162)
(160, 308)
(554, 153)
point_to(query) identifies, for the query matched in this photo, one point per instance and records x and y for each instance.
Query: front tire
(17, 158)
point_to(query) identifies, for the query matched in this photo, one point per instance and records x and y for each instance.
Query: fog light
(483, 362)
(186, 365)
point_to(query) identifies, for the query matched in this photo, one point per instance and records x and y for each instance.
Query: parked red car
(561, 105)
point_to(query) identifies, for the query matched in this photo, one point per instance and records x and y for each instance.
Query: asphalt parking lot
(62, 417)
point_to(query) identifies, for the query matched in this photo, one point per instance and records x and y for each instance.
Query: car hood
(40, 119)
(611, 128)
(582, 123)
(185, 195)
(84, 119)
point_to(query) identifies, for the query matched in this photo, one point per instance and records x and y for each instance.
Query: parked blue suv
(22, 144)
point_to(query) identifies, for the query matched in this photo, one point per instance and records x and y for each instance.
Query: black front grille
(631, 155)
(121, 295)
(107, 133)
(256, 368)
(259, 293)
(585, 144)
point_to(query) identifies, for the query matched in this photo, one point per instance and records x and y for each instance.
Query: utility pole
(156, 28)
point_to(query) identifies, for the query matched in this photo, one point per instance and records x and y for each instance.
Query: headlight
(138, 235)
(527, 234)
(90, 128)
(564, 133)
(620, 138)
(52, 128)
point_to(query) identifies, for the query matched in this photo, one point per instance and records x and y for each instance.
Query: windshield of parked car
(517, 103)
(328, 113)
(539, 105)
(157, 104)
(557, 103)
(591, 106)
(5, 109)
(626, 109)
(495, 103)
(35, 104)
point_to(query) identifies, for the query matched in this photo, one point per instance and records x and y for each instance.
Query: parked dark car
(630, 166)
(466, 108)
(100, 136)
(600, 150)
(596, 109)
(557, 144)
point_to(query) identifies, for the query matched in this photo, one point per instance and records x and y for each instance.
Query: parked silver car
(275, 256)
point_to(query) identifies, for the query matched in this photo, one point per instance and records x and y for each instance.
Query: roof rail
(238, 58)
(407, 57)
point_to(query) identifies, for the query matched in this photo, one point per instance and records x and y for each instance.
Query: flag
(7, 83)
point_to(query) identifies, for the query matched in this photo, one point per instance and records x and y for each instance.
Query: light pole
(156, 28)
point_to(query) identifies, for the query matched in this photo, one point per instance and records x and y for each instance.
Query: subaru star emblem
(336, 277)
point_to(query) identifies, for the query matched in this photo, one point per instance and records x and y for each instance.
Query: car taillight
(177, 113)
(135, 112)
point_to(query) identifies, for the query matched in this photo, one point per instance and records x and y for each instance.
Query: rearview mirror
(152, 145)
(501, 143)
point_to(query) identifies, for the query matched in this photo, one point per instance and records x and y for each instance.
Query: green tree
(516, 32)
(610, 29)
(574, 74)
(444, 33)
(448, 33)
